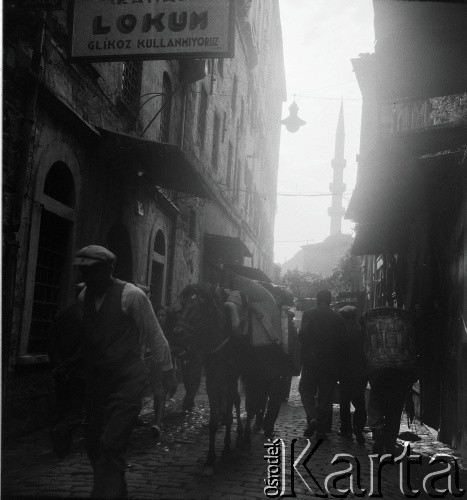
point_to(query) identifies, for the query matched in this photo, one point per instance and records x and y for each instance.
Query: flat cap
(93, 254)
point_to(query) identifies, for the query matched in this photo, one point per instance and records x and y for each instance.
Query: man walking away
(321, 330)
(389, 388)
(352, 376)
(391, 359)
(266, 363)
(115, 317)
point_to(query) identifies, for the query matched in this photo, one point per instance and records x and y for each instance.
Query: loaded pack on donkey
(236, 326)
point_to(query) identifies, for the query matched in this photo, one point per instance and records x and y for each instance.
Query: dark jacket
(352, 362)
(321, 330)
(111, 342)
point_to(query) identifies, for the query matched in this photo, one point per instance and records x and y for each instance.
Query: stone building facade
(409, 201)
(171, 164)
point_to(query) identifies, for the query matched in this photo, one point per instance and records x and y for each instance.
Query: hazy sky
(320, 38)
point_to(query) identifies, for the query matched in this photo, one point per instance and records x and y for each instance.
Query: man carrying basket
(391, 359)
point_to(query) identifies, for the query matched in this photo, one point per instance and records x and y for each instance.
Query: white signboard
(113, 30)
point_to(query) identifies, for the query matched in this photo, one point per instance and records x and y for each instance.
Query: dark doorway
(119, 243)
(156, 286)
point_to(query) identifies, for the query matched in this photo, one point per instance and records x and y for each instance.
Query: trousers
(385, 407)
(192, 369)
(264, 399)
(316, 390)
(352, 390)
(111, 413)
(70, 396)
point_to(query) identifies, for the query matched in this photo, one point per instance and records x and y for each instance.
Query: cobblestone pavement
(172, 468)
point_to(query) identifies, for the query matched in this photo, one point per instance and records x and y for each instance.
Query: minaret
(337, 187)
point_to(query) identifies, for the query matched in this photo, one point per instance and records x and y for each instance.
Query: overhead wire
(323, 98)
(224, 189)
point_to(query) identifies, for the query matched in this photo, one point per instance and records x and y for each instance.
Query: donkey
(206, 324)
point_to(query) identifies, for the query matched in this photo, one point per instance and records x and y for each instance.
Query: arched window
(53, 249)
(166, 108)
(119, 243)
(159, 243)
(130, 84)
(59, 184)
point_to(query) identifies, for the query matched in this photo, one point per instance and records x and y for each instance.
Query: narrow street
(172, 468)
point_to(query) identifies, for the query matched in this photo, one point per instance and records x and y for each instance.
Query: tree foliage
(449, 108)
(346, 277)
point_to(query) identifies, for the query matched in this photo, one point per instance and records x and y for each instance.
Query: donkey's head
(201, 323)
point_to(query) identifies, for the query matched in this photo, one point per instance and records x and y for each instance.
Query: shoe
(156, 432)
(258, 423)
(359, 438)
(310, 430)
(321, 435)
(269, 434)
(139, 422)
(188, 405)
(394, 449)
(378, 445)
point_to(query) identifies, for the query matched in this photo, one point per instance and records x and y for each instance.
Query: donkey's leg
(213, 387)
(192, 369)
(247, 431)
(208, 469)
(250, 406)
(237, 403)
(228, 418)
(233, 399)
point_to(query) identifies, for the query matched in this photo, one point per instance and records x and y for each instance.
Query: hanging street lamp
(293, 122)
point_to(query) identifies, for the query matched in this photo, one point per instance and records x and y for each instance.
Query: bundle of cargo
(390, 339)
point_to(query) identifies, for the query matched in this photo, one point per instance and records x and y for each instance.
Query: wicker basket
(389, 338)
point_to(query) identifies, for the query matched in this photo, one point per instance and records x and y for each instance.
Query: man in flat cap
(117, 319)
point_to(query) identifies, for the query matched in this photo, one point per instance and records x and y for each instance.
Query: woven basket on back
(389, 338)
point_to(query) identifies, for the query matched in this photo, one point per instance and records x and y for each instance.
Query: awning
(411, 174)
(376, 239)
(251, 273)
(163, 164)
(391, 177)
(228, 246)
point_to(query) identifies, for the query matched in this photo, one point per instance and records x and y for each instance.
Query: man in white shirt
(117, 319)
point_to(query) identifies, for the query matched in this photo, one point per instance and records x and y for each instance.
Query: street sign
(115, 30)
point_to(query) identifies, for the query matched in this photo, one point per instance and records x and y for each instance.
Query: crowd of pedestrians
(336, 350)
(109, 344)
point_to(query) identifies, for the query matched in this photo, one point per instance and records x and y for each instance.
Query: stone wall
(74, 101)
